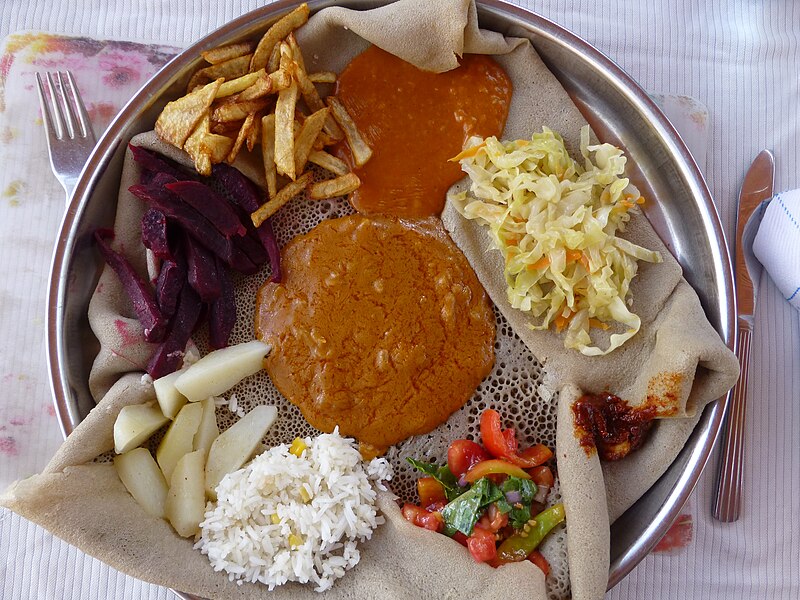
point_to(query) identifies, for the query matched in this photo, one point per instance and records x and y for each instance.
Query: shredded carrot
(513, 240)
(585, 261)
(640, 200)
(468, 153)
(542, 263)
(561, 321)
(597, 323)
(573, 256)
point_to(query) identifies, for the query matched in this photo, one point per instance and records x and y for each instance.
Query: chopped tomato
(538, 454)
(542, 476)
(430, 492)
(494, 466)
(540, 561)
(423, 518)
(460, 538)
(503, 444)
(494, 520)
(481, 545)
(462, 455)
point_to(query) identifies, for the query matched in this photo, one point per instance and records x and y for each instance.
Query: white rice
(238, 534)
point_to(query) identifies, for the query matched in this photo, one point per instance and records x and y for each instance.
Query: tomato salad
(490, 498)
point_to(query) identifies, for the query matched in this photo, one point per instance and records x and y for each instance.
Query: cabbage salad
(556, 222)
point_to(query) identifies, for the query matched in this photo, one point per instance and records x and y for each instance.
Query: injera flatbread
(84, 502)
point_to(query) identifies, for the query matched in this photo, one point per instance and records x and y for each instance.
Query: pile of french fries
(250, 93)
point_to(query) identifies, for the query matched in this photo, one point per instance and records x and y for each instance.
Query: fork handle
(728, 500)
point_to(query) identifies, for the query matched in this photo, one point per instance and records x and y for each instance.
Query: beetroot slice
(208, 203)
(153, 322)
(245, 194)
(154, 233)
(195, 225)
(201, 271)
(222, 312)
(241, 189)
(155, 163)
(270, 243)
(169, 355)
(168, 286)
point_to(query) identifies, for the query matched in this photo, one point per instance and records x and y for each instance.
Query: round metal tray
(614, 105)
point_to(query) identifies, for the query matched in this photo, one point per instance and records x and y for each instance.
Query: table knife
(757, 187)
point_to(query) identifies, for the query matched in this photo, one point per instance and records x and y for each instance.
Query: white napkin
(777, 242)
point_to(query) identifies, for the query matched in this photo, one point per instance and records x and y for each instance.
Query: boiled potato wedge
(169, 398)
(236, 445)
(141, 476)
(208, 430)
(179, 439)
(220, 370)
(186, 500)
(135, 424)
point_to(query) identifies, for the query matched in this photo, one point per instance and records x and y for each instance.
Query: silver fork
(70, 138)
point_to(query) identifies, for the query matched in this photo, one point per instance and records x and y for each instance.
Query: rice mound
(261, 506)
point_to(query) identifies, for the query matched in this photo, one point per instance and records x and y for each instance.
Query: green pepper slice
(518, 546)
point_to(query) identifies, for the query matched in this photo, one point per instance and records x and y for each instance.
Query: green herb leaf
(525, 487)
(519, 515)
(462, 513)
(441, 474)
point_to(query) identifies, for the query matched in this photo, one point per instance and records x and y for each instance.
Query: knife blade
(757, 187)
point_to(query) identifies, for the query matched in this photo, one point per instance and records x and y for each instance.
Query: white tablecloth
(741, 59)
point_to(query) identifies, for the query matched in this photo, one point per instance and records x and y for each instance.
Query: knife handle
(728, 500)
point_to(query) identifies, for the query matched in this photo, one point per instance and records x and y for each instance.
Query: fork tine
(66, 107)
(56, 115)
(46, 111)
(83, 116)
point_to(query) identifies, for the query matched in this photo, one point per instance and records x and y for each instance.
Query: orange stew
(415, 121)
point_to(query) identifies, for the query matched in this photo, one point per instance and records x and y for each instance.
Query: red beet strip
(195, 225)
(208, 203)
(140, 293)
(168, 286)
(169, 355)
(222, 313)
(201, 271)
(154, 233)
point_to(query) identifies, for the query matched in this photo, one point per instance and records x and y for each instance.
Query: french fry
(234, 110)
(271, 83)
(230, 128)
(331, 188)
(283, 27)
(234, 86)
(361, 151)
(297, 55)
(244, 132)
(274, 59)
(304, 142)
(180, 117)
(309, 91)
(224, 53)
(196, 81)
(323, 140)
(206, 148)
(230, 69)
(289, 191)
(254, 133)
(328, 162)
(322, 77)
(268, 153)
(284, 131)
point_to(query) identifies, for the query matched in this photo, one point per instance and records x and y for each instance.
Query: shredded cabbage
(555, 221)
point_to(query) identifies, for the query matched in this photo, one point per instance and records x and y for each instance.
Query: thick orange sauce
(414, 121)
(379, 326)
